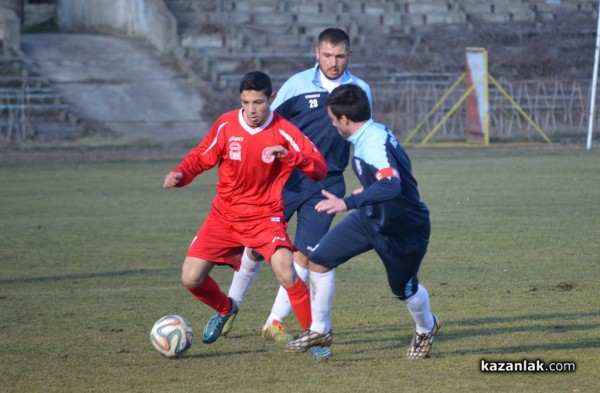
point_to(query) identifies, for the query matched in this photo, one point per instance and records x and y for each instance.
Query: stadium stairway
(30, 108)
(120, 85)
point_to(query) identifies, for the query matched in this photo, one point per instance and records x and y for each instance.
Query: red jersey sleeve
(302, 153)
(204, 156)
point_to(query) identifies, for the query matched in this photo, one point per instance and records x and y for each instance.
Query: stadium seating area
(222, 36)
(30, 107)
(218, 40)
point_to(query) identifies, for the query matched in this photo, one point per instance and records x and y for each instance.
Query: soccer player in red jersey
(256, 150)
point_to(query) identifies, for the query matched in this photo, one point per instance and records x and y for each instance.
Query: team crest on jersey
(266, 157)
(235, 151)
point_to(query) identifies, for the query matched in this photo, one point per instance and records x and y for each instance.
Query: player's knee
(190, 281)
(401, 296)
(408, 290)
(188, 284)
(301, 259)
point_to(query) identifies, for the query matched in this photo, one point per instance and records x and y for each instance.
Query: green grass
(90, 254)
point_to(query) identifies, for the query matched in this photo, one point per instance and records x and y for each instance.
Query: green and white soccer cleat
(229, 324)
(276, 332)
(214, 327)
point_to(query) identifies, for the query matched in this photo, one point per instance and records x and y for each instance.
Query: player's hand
(276, 151)
(358, 190)
(332, 204)
(172, 179)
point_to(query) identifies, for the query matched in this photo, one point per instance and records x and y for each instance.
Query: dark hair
(351, 101)
(258, 81)
(334, 36)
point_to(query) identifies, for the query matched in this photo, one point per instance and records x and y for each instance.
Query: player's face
(333, 59)
(255, 107)
(340, 123)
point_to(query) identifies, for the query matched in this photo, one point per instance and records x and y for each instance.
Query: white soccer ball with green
(172, 335)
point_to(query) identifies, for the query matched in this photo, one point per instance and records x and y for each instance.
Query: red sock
(300, 300)
(210, 294)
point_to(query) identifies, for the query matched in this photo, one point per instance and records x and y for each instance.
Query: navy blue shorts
(401, 255)
(301, 199)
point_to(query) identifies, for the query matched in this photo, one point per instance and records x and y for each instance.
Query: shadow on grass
(66, 277)
(386, 337)
(225, 352)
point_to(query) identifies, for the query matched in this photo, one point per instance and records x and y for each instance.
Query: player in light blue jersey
(387, 216)
(301, 100)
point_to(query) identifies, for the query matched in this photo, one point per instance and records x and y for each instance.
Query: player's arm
(303, 154)
(383, 189)
(387, 185)
(203, 157)
(308, 160)
(172, 179)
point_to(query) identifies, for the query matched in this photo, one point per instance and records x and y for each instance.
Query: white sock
(322, 287)
(243, 278)
(282, 307)
(418, 305)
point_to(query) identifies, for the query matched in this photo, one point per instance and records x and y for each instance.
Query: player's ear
(317, 52)
(273, 94)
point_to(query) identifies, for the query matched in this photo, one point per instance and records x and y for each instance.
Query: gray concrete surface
(122, 83)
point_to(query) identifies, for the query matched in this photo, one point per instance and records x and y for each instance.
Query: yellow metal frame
(486, 130)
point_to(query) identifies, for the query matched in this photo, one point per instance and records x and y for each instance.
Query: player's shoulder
(283, 124)
(301, 81)
(351, 78)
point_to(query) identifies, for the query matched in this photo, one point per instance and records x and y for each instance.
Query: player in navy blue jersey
(387, 216)
(301, 101)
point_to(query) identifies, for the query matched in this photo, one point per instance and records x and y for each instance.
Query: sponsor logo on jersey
(235, 151)
(275, 219)
(358, 166)
(236, 138)
(266, 157)
(392, 138)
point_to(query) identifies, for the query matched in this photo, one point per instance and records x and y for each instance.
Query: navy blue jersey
(300, 100)
(390, 198)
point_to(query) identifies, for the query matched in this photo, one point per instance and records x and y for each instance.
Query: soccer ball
(172, 335)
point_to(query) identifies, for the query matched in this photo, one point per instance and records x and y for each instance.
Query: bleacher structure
(30, 108)
(223, 39)
(219, 40)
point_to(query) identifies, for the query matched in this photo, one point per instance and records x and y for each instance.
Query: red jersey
(250, 182)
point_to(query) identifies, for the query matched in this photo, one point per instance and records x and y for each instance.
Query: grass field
(90, 254)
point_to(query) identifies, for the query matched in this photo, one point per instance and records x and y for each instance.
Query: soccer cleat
(229, 324)
(277, 333)
(320, 353)
(309, 339)
(421, 343)
(214, 327)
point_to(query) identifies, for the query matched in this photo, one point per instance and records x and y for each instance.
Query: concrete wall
(149, 19)
(10, 33)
